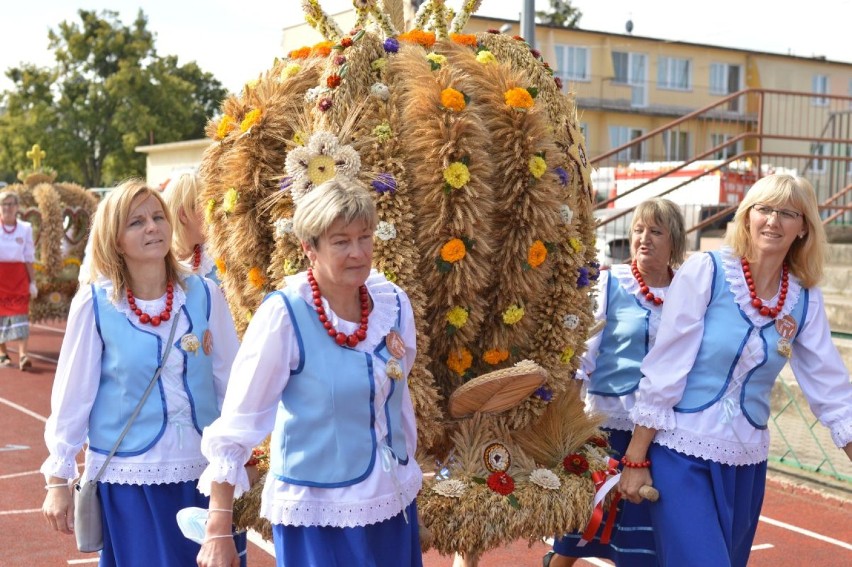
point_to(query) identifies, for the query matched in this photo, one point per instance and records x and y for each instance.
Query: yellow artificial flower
(457, 175)
(299, 138)
(252, 84)
(537, 166)
(379, 64)
(486, 57)
(518, 98)
(230, 200)
(220, 266)
(459, 361)
(226, 124)
(457, 317)
(383, 132)
(290, 268)
(252, 118)
(437, 58)
(451, 99)
(55, 297)
(390, 276)
(495, 356)
(576, 244)
(537, 254)
(566, 355)
(71, 260)
(453, 250)
(513, 314)
(38, 267)
(320, 169)
(208, 210)
(290, 70)
(256, 277)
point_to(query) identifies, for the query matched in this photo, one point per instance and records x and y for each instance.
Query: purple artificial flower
(285, 184)
(384, 183)
(563, 175)
(545, 393)
(339, 60)
(558, 82)
(535, 53)
(324, 104)
(596, 267)
(391, 45)
(583, 279)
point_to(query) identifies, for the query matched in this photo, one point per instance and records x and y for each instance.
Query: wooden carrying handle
(649, 493)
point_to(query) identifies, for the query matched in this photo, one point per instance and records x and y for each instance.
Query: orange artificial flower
(537, 254)
(453, 250)
(256, 277)
(518, 98)
(426, 39)
(459, 361)
(451, 99)
(333, 81)
(322, 49)
(464, 39)
(220, 266)
(495, 356)
(301, 53)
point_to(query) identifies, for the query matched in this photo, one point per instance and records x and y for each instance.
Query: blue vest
(726, 330)
(324, 432)
(130, 357)
(624, 343)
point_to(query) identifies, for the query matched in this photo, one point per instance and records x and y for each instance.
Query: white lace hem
(224, 471)
(653, 417)
(716, 450)
(739, 288)
(60, 468)
(382, 317)
(144, 474)
(841, 433)
(618, 422)
(337, 514)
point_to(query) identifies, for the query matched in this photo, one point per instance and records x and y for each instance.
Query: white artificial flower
(571, 321)
(566, 213)
(190, 343)
(380, 91)
(385, 231)
(312, 94)
(545, 478)
(451, 488)
(283, 227)
(323, 157)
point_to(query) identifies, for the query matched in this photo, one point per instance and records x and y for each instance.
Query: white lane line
(22, 409)
(47, 328)
(17, 474)
(805, 532)
(82, 561)
(16, 512)
(43, 358)
(760, 546)
(258, 540)
(597, 562)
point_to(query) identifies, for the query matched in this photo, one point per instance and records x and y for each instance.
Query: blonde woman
(732, 320)
(181, 195)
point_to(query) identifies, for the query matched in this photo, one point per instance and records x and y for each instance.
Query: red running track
(798, 526)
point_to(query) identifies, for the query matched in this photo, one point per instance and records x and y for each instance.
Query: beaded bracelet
(227, 510)
(208, 538)
(56, 485)
(631, 465)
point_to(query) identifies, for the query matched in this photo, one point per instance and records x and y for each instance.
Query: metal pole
(528, 22)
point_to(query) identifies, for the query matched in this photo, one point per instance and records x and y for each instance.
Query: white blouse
(268, 353)
(721, 433)
(176, 457)
(17, 245)
(616, 409)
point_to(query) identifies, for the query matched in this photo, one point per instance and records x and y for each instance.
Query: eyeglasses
(8, 204)
(783, 214)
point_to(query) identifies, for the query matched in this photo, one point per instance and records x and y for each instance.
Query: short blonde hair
(806, 256)
(335, 199)
(6, 194)
(182, 194)
(110, 220)
(664, 212)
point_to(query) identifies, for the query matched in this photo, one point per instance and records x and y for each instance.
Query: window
(632, 69)
(620, 135)
(676, 145)
(674, 73)
(817, 164)
(572, 63)
(724, 80)
(726, 152)
(819, 85)
(620, 66)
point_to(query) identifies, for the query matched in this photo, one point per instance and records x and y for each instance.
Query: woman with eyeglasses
(731, 321)
(17, 284)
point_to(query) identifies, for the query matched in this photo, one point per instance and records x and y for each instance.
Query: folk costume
(107, 360)
(16, 251)
(610, 369)
(342, 478)
(706, 386)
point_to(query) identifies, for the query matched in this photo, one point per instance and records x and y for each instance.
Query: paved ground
(799, 526)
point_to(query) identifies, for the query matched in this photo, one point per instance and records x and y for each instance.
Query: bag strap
(144, 397)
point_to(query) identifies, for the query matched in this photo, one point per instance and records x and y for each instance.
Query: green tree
(561, 14)
(108, 93)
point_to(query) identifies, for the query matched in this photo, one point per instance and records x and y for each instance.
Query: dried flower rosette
(545, 478)
(450, 488)
(190, 343)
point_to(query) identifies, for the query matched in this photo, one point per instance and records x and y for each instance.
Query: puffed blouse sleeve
(225, 341)
(258, 377)
(821, 374)
(409, 337)
(588, 361)
(75, 386)
(666, 366)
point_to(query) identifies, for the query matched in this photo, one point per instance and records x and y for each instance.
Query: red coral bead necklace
(340, 338)
(765, 310)
(196, 257)
(155, 320)
(14, 227)
(644, 289)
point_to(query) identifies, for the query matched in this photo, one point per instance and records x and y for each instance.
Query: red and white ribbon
(605, 481)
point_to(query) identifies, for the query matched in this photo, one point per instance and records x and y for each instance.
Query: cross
(36, 154)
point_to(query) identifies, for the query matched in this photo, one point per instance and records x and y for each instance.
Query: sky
(236, 40)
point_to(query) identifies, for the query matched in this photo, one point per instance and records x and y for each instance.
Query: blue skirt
(140, 525)
(632, 541)
(392, 543)
(708, 512)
